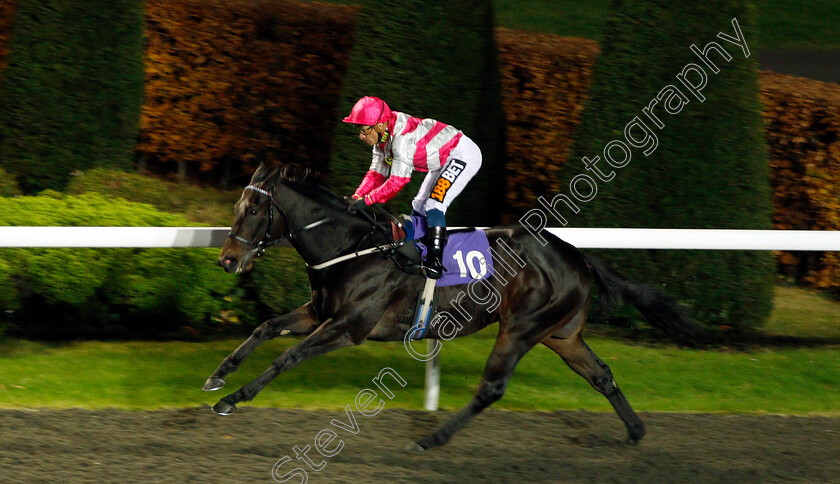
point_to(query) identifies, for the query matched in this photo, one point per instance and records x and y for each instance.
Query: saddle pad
(466, 255)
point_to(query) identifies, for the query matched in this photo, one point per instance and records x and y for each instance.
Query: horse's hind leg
(297, 322)
(586, 363)
(503, 359)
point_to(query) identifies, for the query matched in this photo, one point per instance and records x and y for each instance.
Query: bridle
(259, 247)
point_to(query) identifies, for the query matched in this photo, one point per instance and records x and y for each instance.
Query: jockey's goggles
(363, 128)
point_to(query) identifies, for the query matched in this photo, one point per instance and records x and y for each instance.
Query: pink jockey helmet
(368, 111)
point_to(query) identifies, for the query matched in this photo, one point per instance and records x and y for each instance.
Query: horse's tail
(656, 307)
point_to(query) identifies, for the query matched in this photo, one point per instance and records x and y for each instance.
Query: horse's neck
(337, 235)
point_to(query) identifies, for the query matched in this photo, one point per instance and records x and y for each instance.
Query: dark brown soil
(193, 445)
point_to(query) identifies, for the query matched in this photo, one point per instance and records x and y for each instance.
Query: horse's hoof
(212, 384)
(414, 447)
(223, 408)
(636, 435)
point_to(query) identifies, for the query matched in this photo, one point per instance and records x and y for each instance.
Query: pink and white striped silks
(414, 144)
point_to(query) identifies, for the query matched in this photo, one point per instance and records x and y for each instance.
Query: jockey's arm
(371, 180)
(387, 190)
(399, 176)
(375, 176)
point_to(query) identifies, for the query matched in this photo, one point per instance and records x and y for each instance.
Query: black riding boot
(434, 269)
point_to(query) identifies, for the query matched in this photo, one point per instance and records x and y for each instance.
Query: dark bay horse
(542, 295)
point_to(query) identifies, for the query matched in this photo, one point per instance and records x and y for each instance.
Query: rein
(260, 247)
(379, 248)
(266, 242)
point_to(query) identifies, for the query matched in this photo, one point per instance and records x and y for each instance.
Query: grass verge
(148, 375)
(803, 313)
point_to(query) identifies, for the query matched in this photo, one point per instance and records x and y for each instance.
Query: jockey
(401, 144)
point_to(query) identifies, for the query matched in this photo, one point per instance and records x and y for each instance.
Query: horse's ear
(260, 174)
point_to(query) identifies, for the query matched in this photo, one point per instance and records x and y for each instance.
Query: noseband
(259, 247)
(266, 242)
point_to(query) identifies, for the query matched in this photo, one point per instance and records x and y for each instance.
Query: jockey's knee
(419, 205)
(435, 218)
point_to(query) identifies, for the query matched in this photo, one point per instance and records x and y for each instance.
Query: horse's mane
(302, 180)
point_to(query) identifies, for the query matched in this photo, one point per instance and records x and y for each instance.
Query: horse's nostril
(228, 264)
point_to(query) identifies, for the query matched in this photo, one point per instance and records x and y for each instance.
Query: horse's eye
(252, 211)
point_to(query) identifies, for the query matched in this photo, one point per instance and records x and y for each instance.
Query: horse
(544, 295)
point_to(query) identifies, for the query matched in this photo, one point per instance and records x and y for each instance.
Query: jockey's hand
(357, 205)
(349, 200)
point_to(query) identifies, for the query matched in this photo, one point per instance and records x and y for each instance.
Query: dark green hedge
(8, 186)
(709, 169)
(72, 89)
(108, 292)
(197, 203)
(435, 60)
(278, 283)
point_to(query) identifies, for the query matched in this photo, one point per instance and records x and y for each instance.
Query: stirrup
(422, 270)
(432, 272)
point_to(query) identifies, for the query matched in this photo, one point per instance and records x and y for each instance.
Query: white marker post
(432, 378)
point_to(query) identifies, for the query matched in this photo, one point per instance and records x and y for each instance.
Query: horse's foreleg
(296, 322)
(586, 363)
(503, 359)
(328, 337)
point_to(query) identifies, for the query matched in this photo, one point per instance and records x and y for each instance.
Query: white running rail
(584, 238)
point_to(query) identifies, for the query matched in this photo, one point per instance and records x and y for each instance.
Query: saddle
(406, 253)
(408, 256)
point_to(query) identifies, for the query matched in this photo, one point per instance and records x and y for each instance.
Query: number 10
(475, 273)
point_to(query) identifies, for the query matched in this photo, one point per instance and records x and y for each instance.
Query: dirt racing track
(193, 445)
